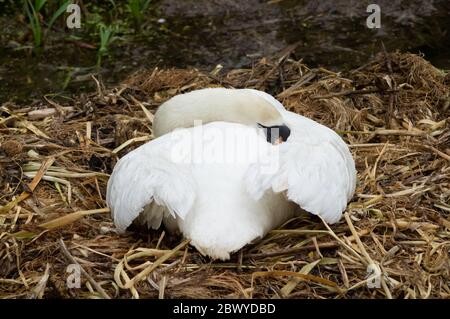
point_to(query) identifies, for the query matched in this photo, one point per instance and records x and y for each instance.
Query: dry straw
(393, 241)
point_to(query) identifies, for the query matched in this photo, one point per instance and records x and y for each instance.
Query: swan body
(221, 184)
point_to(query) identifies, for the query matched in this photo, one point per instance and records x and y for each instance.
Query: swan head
(277, 133)
(220, 104)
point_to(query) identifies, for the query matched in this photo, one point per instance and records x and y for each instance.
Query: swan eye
(276, 134)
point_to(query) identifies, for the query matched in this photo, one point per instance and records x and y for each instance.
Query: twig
(293, 250)
(131, 141)
(386, 132)
(302, 81)
(286, 52)
(147, 113)
(239, 262)
(435, 150)
(388, 59)
(71, 259)
(38, 291)
(366, 255)
(153, 266)
(58, 107)
(349, 92)
(390, 109)
(99, 87)
(43, 113)
(29, 187)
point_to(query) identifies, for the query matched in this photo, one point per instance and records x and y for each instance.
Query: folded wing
(315, 169)
(146, 180)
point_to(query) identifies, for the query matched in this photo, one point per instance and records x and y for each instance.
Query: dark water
(203, 33)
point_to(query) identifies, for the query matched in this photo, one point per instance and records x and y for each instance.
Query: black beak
(285, 132)
(276, 134)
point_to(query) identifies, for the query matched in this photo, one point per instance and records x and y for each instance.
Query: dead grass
(394, 113)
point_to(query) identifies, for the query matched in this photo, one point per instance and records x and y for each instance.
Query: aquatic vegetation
(137, 9)
(174, 32)
(34, 13)
(106, 38)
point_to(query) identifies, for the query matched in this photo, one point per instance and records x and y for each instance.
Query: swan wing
(315, 170)
(146, 180)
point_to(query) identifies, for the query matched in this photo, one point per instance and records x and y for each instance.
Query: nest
(393, 241)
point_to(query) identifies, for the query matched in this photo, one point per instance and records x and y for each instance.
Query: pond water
(204, 33)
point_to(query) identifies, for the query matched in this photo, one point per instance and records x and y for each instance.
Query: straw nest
(393, 240)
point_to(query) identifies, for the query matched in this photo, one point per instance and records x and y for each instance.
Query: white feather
(316, 169)
(206, 196)
(269, 98)
(223, 186)
(147, 175)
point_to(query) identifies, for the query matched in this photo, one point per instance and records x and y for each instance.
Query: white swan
(221, 183)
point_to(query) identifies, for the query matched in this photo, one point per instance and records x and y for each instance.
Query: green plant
(33, 11)
(137, 9)
(106, 38)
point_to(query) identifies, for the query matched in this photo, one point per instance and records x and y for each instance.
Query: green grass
(34, 12)
(137, 8)
(102, 24)
(106, 38)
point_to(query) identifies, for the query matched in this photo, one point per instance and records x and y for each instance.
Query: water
(203, 33)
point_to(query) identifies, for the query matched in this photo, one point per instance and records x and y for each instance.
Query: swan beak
(276, 134)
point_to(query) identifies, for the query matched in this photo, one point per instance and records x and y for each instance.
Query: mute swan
(221, 184)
